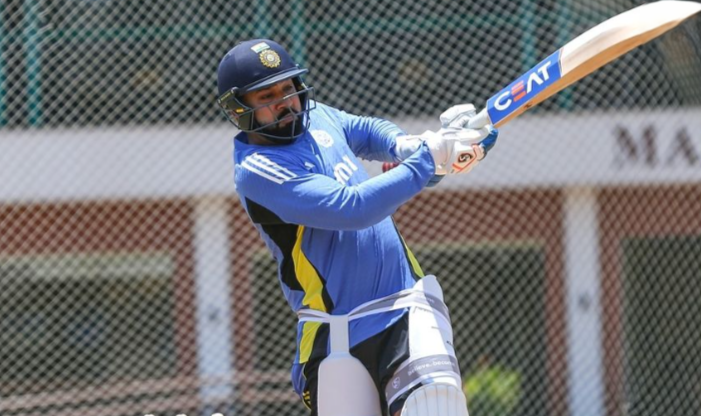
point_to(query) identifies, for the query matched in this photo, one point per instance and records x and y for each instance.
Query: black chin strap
(296, 130)
(278, 140)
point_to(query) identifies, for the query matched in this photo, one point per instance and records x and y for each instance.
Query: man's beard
(290, 129)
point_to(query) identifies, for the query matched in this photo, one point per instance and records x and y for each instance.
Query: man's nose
(285, 101)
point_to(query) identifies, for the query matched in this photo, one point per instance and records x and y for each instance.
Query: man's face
(273, 108)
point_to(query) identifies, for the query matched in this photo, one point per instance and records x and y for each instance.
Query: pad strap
(408, 298)
(400, 300)
(415, 371)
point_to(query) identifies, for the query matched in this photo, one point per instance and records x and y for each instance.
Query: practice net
(132, 282)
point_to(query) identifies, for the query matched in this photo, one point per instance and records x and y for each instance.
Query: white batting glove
(454, 150)
(458, 116)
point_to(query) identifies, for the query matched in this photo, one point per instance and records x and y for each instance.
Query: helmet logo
(270, 58)
(260, 47)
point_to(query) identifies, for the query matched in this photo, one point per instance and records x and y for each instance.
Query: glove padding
(486, 145)
(464, 116)
(458, 116)
(458, 151)
(454, 150)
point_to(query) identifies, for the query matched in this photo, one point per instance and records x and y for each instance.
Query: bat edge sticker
(524, 88)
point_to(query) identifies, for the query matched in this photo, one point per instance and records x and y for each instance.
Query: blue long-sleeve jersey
(329, 225)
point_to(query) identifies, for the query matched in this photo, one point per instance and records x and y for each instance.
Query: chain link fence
(132, 283)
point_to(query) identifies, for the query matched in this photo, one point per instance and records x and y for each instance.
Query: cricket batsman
(374, 335)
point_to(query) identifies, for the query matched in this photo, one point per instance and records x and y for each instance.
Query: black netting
(132, 282)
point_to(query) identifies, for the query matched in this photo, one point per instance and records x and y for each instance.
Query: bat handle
(480, 120)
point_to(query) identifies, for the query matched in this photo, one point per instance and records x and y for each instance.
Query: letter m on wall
(631, 151)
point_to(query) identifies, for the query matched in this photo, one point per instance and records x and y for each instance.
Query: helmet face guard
(255, 65)
(243, 116)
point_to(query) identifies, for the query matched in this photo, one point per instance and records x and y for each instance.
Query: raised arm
(299, 197)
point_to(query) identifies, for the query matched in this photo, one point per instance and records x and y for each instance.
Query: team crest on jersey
(323, 138)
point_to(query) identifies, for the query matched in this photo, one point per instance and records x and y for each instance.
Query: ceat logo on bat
(526, 86)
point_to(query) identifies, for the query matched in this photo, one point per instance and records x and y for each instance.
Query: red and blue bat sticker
(524, 88)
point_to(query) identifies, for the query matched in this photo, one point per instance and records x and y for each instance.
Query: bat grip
(480, 120)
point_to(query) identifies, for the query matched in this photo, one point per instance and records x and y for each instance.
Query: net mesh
(132, 282)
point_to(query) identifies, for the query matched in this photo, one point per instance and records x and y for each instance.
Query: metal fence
(132, 283)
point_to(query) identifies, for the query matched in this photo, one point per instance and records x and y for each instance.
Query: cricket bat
(583, 55)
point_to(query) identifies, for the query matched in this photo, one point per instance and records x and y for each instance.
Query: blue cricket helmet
(253, 65)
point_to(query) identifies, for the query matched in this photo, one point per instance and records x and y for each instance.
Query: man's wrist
(405, 146)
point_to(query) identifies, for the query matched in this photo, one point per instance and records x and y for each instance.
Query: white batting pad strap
(436, 400)
(425, 294)
(338, 330)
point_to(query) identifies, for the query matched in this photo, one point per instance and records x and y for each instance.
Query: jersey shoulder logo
(322, 138)
(262, 166)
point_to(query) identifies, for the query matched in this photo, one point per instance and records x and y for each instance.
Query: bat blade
(583, 55)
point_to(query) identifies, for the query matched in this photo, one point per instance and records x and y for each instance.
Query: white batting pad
(346, 388)
(436, 400)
